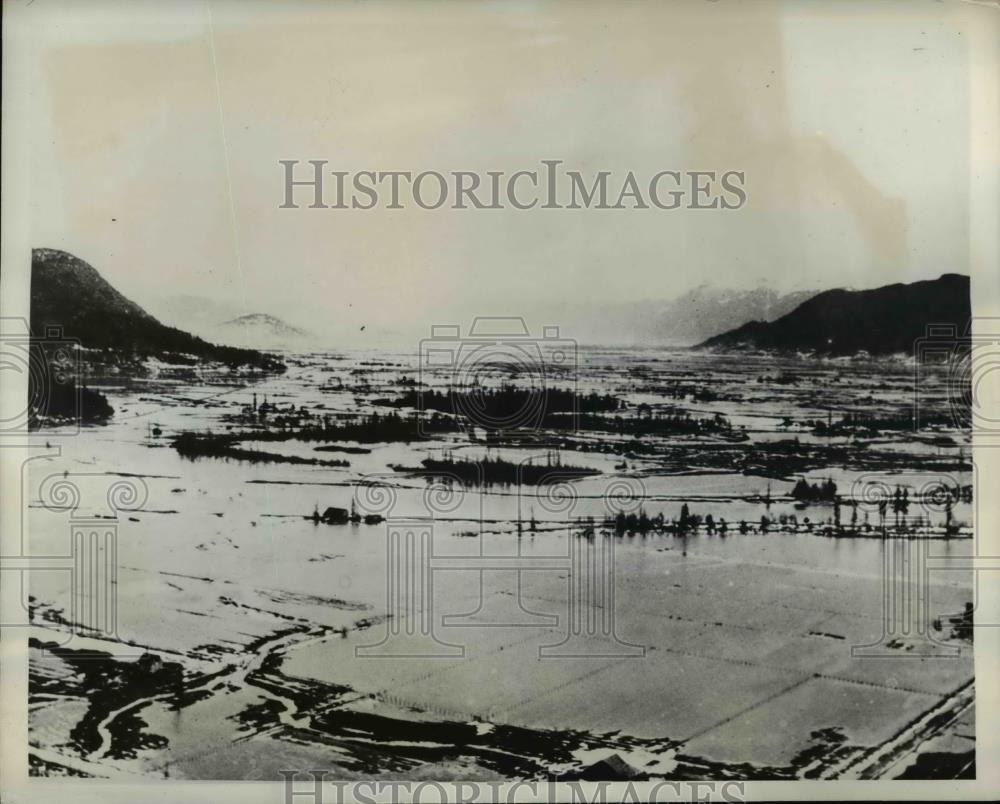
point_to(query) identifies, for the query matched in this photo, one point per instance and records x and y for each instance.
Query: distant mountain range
(885, 320)
(270, 323)
(228, 322)
(69, 293)
(263, 331)
(707, 310)
(683, 320)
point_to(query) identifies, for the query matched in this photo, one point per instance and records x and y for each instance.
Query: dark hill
(69, 293)
(884, 320)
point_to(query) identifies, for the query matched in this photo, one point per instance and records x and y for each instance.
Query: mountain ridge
(263, 331)
(265, 319)
(69, 293)
(708, 310)
(884, 320)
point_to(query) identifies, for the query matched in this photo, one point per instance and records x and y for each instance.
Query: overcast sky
(159, 132)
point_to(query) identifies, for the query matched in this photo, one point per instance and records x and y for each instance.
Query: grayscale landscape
(752, 502)
(556, 393)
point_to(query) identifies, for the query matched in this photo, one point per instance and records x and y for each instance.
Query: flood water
(502, 630)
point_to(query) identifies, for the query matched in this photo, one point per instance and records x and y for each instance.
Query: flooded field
(672, 555)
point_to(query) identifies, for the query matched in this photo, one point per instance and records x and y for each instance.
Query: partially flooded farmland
(667, 555)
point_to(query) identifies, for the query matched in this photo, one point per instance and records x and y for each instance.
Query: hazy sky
(159, 132)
